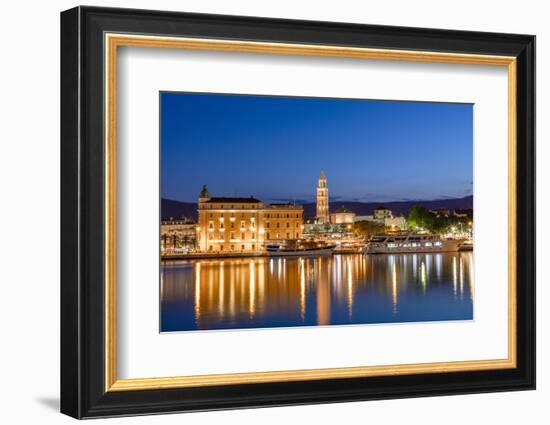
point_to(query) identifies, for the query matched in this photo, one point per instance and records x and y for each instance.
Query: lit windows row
(282, 215)
(242, 247)
(277, 225)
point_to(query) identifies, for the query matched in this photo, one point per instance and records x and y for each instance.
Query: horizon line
(361, 202)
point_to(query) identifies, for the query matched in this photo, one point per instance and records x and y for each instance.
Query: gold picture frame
(114, 41)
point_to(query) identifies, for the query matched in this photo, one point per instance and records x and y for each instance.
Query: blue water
(337, 290)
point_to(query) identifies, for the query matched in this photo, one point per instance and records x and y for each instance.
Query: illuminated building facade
(342, 216)
(322, 200)
(244, 224)
(177, 233)
(283, 222)
(381, 214)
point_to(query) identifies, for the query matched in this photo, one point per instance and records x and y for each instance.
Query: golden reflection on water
(454, 275)
(302, 289)
(308, 289)
(394, 288)
(350, 285)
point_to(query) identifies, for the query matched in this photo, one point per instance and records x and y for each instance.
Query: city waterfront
(237, 293)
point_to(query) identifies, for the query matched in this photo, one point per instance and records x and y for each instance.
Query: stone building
(177, 233)
(381, 214)
(342, 216)
(244, 224)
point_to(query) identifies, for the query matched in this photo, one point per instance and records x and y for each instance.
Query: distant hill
(178, 209)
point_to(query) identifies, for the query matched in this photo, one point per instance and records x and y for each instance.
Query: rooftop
(218, 200)
(285, 205)
(342, 210)
(172, 220)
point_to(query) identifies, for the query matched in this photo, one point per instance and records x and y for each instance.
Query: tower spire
(322, 199)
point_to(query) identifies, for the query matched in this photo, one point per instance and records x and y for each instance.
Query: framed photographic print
(261, 212)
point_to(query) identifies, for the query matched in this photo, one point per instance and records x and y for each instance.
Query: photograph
(287, 211)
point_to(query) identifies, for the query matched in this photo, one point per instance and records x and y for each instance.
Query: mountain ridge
(177, 209)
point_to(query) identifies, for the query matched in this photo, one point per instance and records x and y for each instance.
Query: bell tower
(322, 199)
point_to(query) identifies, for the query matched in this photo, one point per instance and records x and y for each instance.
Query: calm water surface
(337, 290)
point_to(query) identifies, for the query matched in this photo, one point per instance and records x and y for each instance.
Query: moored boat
(411, 242)
(295, 248)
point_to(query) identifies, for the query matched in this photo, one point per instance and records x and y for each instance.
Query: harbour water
(265, 292)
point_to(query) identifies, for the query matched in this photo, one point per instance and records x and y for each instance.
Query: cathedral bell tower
(322, 199)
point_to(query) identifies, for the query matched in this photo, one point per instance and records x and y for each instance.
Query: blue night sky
(273, 148)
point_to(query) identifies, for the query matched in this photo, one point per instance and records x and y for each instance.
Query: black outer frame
(82, 212)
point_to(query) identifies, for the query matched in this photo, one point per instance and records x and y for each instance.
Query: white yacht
(412, 242)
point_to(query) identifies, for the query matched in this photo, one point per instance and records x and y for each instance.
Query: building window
(296, 225)
(232, 235)
(253, 246)
(242, 247)
(221, 247)
(277, 225)
(242, 235)
(267, 225)
(288, 235)
(267, 216)
(287, 224)
(267, 235)
(232, 247)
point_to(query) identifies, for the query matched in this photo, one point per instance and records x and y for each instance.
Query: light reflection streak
(438, 266)
(394, 289)
(428, 265)
(350, 286)
(471, 276)
(454, 276)
(161, 285)
(423, 274)
(222, 288)
(232, 296)
(261, 283)
(251, 289)
(302, 289)
(461, 279)
(197, 291)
